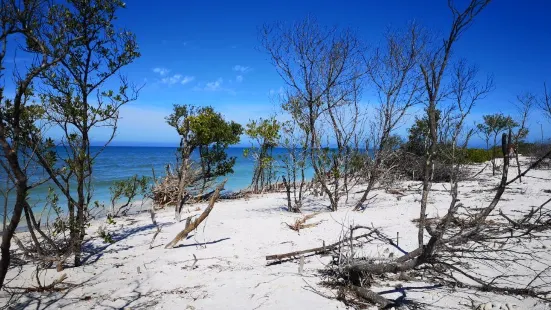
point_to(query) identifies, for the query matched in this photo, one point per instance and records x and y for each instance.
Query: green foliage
(205, 130)
(105, 235)
(266, 131)
(496, 123)
(265, 134)
(418, 137)
(127, 190)
(478, 155)
(76, 100)
(493, 125)
(210, 127)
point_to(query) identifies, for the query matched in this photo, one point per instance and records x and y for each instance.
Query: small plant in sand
(127, 190)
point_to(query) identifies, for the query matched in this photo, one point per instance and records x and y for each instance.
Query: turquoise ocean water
(118, 163)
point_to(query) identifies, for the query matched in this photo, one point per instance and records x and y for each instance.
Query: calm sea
(118, 163)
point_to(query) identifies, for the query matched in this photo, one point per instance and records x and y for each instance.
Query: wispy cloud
(241, 69)
(161, 71)
(214, 86)
(239, 78)
(170, 80)
(187, 79)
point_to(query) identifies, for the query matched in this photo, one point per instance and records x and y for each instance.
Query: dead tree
(460, 242)
(433, 68)
(394, 73)
(320, 67)
(524, 105)
(545, 102)
(294, 163)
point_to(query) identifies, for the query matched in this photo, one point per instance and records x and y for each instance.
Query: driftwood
(371, 296)
(301, 223)
(152, 212)
(192, 225)
(318, 250)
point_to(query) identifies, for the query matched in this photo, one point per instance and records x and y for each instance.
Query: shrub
(478, 155)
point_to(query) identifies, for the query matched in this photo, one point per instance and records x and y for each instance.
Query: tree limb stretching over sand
(192, 225)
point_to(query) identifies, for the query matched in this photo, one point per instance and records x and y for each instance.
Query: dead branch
(318, 250)
(300, 223)
(532, 166)
(152, 212)
(371, 296)
(192, 225)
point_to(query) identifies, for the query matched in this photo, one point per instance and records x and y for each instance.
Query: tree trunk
(21, 195)
(7, 234)
(518, 167)
(288, 190)
(494, 157)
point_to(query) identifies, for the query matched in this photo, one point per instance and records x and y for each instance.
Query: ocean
(121, 162)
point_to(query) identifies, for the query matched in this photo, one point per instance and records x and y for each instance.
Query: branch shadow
(202, 243)
(95, 252)
(45, 300)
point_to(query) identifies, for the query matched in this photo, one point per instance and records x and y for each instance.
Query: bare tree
(294, 163)
(320, 67)
(433, 68)
(460, 242)
(464, 92)
(545, 102)
(524, 105)
(393, 72)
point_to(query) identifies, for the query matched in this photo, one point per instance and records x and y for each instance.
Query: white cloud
(239, 78)
(172, 79)
(187, 79)
(241, 69)
(177, 78)
(161, 71)
(214, 86)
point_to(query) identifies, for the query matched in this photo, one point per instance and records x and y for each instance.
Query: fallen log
(371, 296)
(192, 225)
(318, 250)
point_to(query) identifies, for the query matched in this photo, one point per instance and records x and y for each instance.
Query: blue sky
(207, 53)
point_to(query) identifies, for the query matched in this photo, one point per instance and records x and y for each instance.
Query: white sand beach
(231, 271)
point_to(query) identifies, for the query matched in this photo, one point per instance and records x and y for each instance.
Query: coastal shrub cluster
(478, 155)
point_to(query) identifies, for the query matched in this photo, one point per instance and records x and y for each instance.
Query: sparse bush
(265, 135)
(127, 190)
(105, 235)
(478, 155)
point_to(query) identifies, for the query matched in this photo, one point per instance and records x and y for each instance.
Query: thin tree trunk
(7, 234)
(21, 196)
(518, 168)
(288, 190)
